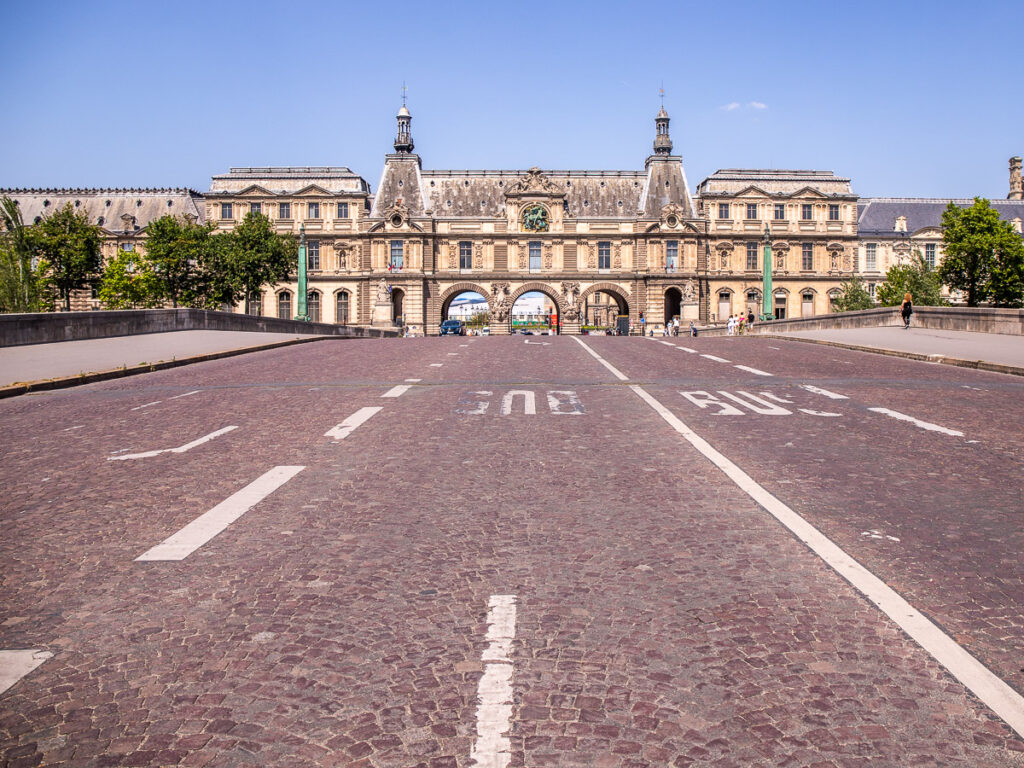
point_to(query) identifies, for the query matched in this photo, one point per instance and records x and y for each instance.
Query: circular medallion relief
(535, 219)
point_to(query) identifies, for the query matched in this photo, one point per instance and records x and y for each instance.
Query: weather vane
(403, 92)
(661, 92)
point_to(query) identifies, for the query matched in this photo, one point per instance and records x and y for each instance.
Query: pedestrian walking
(693, 329)
(731, 325)
(750, 318)
(907, 309)
(741, 324)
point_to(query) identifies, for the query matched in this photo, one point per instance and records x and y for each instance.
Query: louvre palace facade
(635, 242)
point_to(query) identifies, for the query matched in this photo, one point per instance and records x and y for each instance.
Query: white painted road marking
(146, 405)
(344, 429)
(757, 404)
(716, 359)
(536, 343)
(197, 533)
(666, 343)
(14, 665)
(825, 392)
(179, 449)
(703, 399)
(471, 405)
(917, 422)
(529, 402)
(398, 391)
(436, 365)
(615, 371)
(193, 392)
(80, 426)
(687, 349)
(996, 694)
(752, 370)
(493, 748)
(453, 354)
(564, 402)
(414, 381)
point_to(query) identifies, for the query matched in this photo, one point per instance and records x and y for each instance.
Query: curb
(981, 365)
(21, 388)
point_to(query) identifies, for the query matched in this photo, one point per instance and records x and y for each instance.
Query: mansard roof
(106, 206)
(290, 180)
(877, 215)
(731, 181)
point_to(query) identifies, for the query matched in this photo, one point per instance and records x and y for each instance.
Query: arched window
(341, 308)
(284, 305)
(313, 306)
(254, 304)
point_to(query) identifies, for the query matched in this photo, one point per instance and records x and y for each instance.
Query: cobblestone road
(493, 551)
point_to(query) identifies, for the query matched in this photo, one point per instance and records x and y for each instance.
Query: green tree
(983, 256)
(130, 283)
(178, 254)
(70, 247)
(22, 284)
(853, 295)
(254, 255)
(918, 278)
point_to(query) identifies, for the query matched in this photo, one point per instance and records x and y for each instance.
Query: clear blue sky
(907, 98)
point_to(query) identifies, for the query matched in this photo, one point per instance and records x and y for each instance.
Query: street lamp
(766, 279)
(302, 315)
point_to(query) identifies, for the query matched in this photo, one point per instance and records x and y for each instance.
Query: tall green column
(767, 312)
(303, 291)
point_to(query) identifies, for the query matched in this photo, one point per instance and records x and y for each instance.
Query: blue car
(452, 328)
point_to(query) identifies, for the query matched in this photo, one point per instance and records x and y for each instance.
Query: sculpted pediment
(534, 183)
(312, 189)
(255, 190)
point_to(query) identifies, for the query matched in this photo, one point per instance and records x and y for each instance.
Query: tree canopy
(70, 247)
(918, 278)
(22, 282)
(983, 257)
(255, 255)
(130, 283)
(853, 295)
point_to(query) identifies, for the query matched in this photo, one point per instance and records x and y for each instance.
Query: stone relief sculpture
(383, 292)
(617, 256)
(571, 299)
(500, 302)
(689, 291)
(535, 219)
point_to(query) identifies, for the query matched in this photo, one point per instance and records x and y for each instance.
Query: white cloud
(757, 105)
(731, 106)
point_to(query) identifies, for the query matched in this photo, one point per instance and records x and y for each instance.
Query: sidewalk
(987, 351)
(66, 363)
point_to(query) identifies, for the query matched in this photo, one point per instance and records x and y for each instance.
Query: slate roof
(877, 215)
(731, 181)
(289, 180)
(106, 206)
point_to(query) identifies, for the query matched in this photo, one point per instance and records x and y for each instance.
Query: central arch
(548, 291)
(453, 292)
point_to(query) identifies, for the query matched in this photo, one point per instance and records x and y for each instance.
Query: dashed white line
(615, 371)
(666, 343)
(453, 354)
(414, 381)
(79, 426)
(186, 394)
(716, 359)
(179, 449)
(14, 665)
(493, 748)
(346, 427)
(825, 392)
(687, 349)
(146, 405)
(398, 391)
(748, 369)
(436, 365)
(197, 533)
(994, 692)
(927, 425)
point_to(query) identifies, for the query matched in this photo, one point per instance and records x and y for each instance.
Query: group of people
(739, 323)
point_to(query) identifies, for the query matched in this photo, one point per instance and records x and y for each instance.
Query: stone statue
(689, 291)
(383, 292)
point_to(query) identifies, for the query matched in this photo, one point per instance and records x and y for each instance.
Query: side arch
(449, 294)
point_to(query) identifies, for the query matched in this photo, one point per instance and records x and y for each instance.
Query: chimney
(1016, 185)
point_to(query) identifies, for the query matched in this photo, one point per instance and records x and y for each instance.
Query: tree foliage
(22, 282)
(130, 283)
(853, 295)
(254, 255)
(70, 247)
(983, 257)
(918, 278)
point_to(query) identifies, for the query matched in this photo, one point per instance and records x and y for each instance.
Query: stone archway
(617, 292)
(549, 291)
(445, 299)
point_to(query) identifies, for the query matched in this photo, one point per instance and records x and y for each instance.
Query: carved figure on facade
(478, 256)
(396, 213)
(617, 255)
(501, 301)
(689, 291)
(535, 218)
(548, 255)
(533, 183)
(571, 301)
(672, 214)
(383, 292)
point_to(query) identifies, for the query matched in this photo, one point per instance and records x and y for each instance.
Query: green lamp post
(303, 291)
(766, 280)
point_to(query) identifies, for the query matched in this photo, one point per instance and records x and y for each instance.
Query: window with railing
(671, 255)
(397, 260)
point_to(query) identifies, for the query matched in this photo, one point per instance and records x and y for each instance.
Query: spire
(403, 141)
(662, 142)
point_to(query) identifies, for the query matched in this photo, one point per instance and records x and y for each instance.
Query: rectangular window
(870, 257)
(751, 256)
(255, 208)
(751, 210)
(313, 254)
(341, 314)
(284, 210)
(534, 256)
(807, 257)
(314, 211)
(604, 255)
(806, 212)
(723, 210)
(127, 247)
(780, 211)
(833, 212)
(465, 255)
(225, 210)
(671, 255)
(342, 210)
(929, 254)
(397, 255)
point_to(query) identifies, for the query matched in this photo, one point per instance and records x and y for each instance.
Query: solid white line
(453, 354)
(180, 545)
(752, 370)
(398, 391)
(917, 422)
(716, 359)
(615, 371)
(436, 365)
(14, 665)
(193, 392)
(414, 381)
(666, 343)
(179, 449)
(146, 405)
(493, 748)
(825, 392)
(996, 694)
(344, 429)
(687, 349)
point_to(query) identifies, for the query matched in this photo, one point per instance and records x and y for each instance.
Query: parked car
(452, 328)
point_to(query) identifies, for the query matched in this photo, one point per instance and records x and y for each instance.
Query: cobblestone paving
(664, 619)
